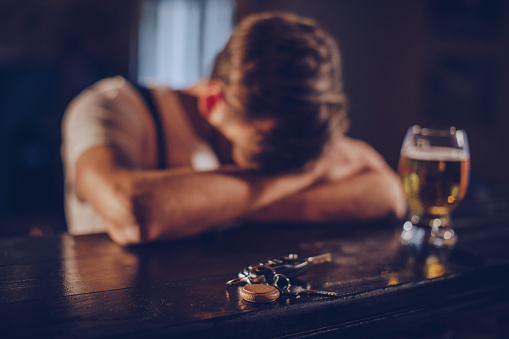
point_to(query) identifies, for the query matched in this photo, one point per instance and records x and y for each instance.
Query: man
(275, 96)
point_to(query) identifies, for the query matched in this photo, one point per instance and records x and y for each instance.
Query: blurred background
(432, 62)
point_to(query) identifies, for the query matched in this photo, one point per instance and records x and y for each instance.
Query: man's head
(276, 91)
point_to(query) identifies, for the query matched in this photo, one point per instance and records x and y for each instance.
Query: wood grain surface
(86, 286)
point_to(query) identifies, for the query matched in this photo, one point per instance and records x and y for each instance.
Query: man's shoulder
(103, 91)
(107, 85)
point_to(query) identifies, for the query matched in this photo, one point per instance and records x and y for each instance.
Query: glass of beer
(434, 167)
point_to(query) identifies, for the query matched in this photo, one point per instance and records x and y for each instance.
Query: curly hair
(284, 67)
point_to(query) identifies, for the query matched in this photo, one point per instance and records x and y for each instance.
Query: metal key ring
(276, 279)
(257, 279)
(233, 282)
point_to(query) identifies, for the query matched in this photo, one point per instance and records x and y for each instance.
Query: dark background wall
(433, 62)
(49, 51)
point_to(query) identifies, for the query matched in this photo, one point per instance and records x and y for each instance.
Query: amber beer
(434, 180)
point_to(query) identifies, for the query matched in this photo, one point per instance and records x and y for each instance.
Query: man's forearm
(178, 205)
(365, 196)
(148, 205)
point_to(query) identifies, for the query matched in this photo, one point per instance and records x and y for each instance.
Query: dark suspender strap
(161, 146)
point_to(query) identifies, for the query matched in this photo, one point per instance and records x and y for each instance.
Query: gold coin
(259, 293)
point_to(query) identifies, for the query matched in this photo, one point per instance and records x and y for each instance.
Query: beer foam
(436, 153)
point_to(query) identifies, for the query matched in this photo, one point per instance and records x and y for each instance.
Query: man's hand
(346, 157)
(356, 184)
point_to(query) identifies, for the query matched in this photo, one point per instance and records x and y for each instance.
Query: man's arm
(368, 189)
(140, 206)
(364, 196)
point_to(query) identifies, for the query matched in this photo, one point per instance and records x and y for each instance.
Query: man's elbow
(124, 234)
(142, 222)
(132, 221)
(130, 233)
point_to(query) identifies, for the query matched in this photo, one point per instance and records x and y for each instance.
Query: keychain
(290, 266)
(266, 281)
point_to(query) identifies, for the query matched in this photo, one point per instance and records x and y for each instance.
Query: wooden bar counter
(87, 286)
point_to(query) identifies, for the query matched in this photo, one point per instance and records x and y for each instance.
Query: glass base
(419, 235)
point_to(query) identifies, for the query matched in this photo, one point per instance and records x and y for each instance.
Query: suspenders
(161, 145)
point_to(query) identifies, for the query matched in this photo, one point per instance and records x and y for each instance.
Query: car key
(290, 266)
(298, 291)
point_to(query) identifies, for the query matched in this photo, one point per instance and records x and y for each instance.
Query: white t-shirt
(112, 113)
